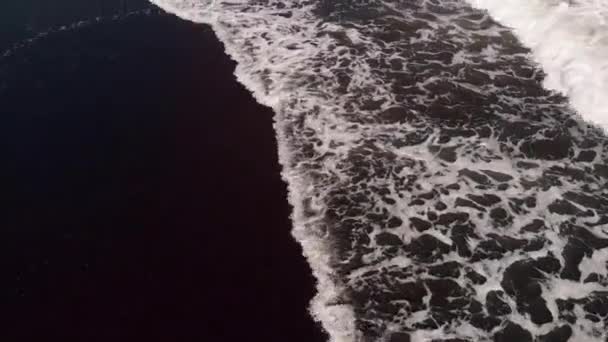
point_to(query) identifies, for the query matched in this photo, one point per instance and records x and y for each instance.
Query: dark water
(141, 196)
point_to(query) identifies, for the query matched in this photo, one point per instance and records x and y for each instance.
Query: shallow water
(441, 192)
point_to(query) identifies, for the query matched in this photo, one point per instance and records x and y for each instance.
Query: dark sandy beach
(141, 194)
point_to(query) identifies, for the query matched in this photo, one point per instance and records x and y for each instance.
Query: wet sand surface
(142, 199)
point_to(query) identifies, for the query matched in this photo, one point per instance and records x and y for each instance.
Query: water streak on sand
(11, 50)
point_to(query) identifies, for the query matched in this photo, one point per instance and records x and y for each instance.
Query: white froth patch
(193, 10)
(595, 264)
(570, 41)
(337, 319)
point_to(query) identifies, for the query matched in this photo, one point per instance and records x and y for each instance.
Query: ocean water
(445, 159)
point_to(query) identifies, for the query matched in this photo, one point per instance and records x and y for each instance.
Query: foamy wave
(427, 167)
(570, 40)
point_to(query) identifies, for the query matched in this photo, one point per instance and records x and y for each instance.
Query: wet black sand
(141, 197)
(21, 19)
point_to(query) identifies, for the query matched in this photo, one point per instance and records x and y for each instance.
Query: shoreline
(167, 216)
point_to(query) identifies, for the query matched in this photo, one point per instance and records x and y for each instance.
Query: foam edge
(338, 320)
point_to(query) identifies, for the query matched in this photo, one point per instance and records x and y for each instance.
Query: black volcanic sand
(21, 19)
(141, 195)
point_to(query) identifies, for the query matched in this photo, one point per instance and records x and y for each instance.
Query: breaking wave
(440, 192)
(570, 41)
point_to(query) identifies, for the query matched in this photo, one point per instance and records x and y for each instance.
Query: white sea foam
(569, 38)
(328, 81)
